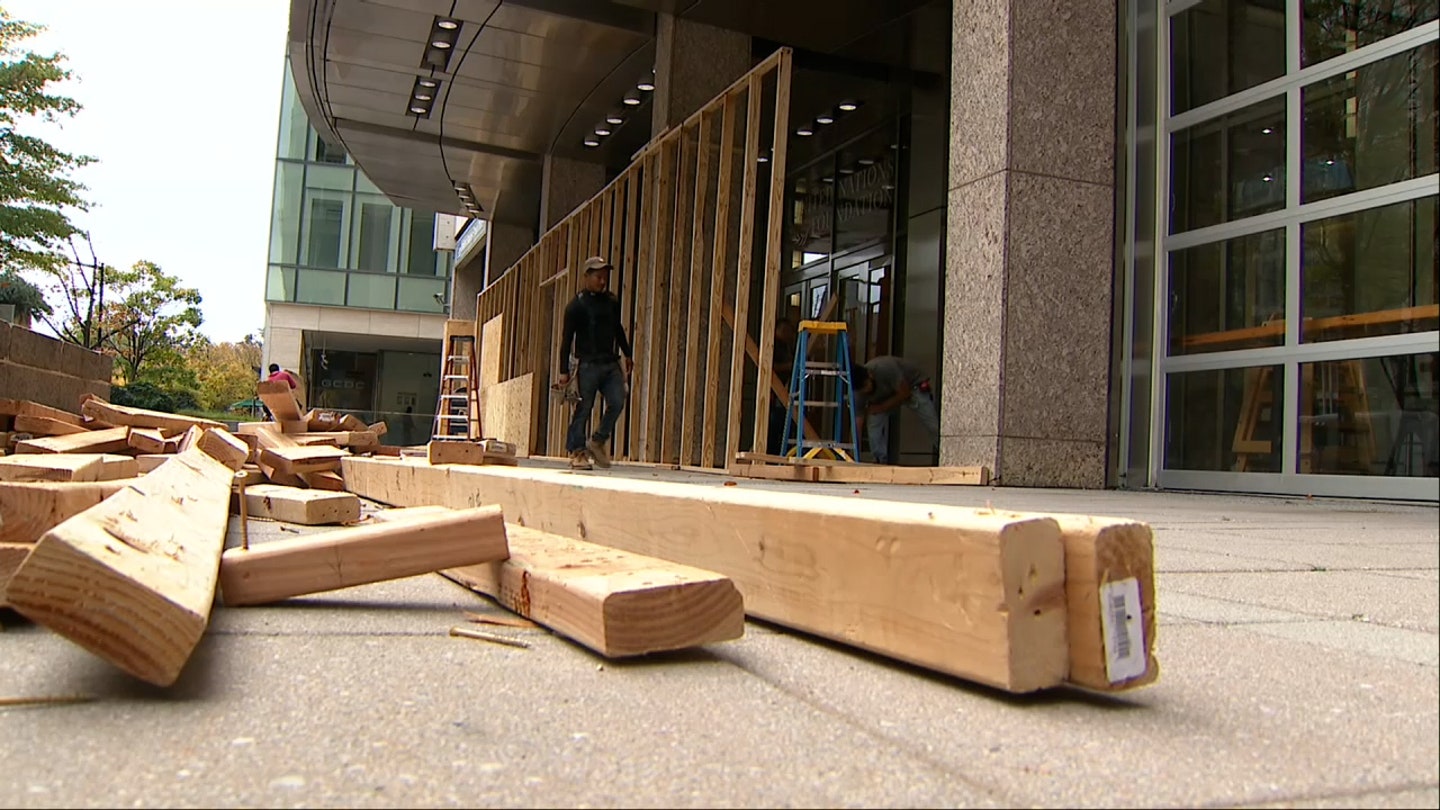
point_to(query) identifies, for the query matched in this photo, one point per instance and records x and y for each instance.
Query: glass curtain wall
(335, 240)
(1292, 191)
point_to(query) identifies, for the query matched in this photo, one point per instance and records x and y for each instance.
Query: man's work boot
(579, 460)
(598, 452)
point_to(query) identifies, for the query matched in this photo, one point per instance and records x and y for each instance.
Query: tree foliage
(35, 187)
(83, 288)
(227, 372)
(28, 299)
(151, 324)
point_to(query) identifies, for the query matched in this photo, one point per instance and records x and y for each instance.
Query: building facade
(356, 295)
(1136, 243)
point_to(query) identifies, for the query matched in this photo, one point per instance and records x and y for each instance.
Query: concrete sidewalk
(1298, 646)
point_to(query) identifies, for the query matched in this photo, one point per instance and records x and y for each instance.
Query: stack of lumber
(828, 471)
(484, 451)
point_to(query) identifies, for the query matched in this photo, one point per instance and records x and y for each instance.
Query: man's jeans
(878, 425)
(609, 381)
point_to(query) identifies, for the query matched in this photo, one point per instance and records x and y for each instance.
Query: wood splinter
(483, 636)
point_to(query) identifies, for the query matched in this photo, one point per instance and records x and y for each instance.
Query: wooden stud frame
(680, 227)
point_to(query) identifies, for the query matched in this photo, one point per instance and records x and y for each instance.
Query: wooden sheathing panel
(745, 256)
(775, 214)
(695, 294)
(718, 274)
(677, 329)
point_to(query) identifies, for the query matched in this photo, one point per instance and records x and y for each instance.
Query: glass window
(1376, 416)
(372, 250)
(293, 124)
(320, 287)
(422, 244)
(285, 212)
(1224, 420)
(331, 177)
(1369, 273)
(324, 232)
(1228, 295)
(1371, 126)
(421, 295)
(371, 291)
(280, 284)
(864, 192)
(1333, 27)
(1220, 47)
(326, 153)
(1229, 168)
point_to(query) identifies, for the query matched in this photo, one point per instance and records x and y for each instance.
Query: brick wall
(49, 371)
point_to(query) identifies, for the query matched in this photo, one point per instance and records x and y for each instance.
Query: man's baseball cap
(595, 264)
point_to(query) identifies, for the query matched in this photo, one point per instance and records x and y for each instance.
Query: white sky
(181, 105)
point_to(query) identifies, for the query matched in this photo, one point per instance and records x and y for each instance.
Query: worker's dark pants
(609, 381)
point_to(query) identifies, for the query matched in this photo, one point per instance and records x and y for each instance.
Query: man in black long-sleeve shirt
(592, 323)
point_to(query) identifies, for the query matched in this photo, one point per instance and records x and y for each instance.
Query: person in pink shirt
(277, 373)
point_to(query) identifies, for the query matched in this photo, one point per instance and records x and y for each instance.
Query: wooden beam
(24, 407)
(109, 440)
(308, 507)
(29, 509)
(225, 448)
(281, 401)
(695, 338)
(781, 468)
(972, 593)
(341, 558)
(614, 602)
(719, 272)
(132, 579)
(779, 388)
(67, 467)
(740, 318)
(1110, 586)
(297, 460)
(45, 426)
(12, 556)
(147, 462)
(150, 440)
(672, 411)
(326, 480)
(774, 249)
(121, 415)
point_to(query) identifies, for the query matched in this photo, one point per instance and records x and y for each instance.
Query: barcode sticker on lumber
(1120, 621)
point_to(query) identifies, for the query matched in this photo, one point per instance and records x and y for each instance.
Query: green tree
(84, 287)
(227, 372)
(35, 187)
(27, 298)
(151, 322)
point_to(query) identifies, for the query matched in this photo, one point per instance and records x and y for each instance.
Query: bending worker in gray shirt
(883, 385)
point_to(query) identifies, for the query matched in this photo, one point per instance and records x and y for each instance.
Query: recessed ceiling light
(419, 110)
(439, 43)
(805, 131)
(866, 161)
(423, 97)
(824, 119)
(827, 179)
(428, 83)
(1267, 130)
(632, 100)
(448, 25)
(602, 130)
(592, 141)
(615, 119)
(847, 170)
(646, 85)
(762, 159)
(849, 106)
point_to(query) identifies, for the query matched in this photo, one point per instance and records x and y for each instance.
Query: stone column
(1029, 254)
(564, 185)
(693, 63)
(467, 283)
(504, 245)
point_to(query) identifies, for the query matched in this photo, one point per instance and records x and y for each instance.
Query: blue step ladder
(795, 444)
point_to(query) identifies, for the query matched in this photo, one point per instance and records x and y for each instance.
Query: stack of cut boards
(827, 471)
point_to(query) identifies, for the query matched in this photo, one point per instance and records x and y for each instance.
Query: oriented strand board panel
(509, 408)
(615, 602)
(490, 336)
(133, 579)
(310, 507)
(972, 593)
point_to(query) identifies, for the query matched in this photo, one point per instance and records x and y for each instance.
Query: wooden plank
(740, 318)
(642, 338)
(1105, 558)
(694, 334)
(44, 426)
(109, 440)
(147, 462)
(308, 507)
(225, 448)
(629, 275)
(51, 467)
(149, 440)
(973, 593)
(281, 401)
(774, 249)
(752, 465)
(672, 390)
(327, 561)
(465, 453)
(29, 509)
(24, 407)
(121, 415)
(133, 579)
(326, 480)
(12, 556)
(615, 602)
(659, 301)
(719, 272)
(297, 460)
